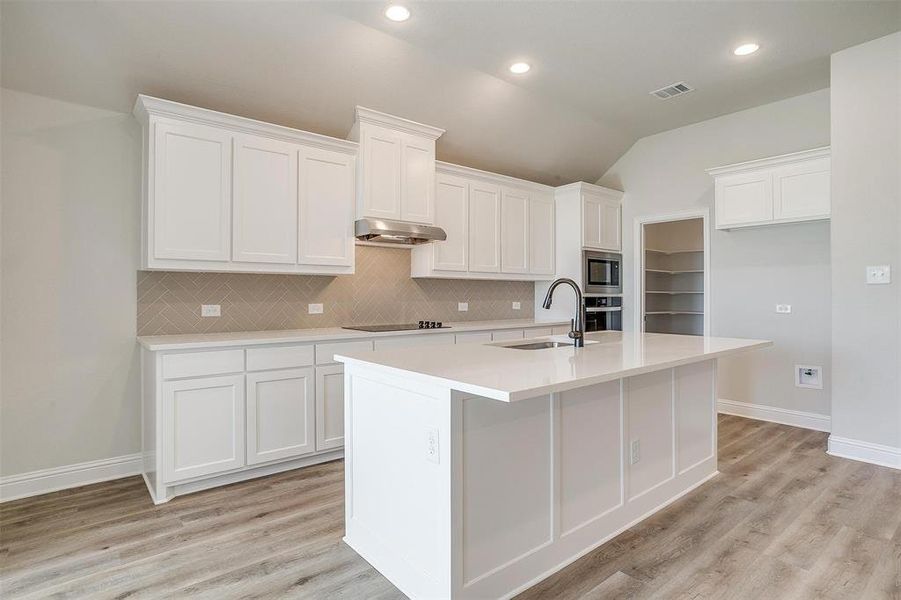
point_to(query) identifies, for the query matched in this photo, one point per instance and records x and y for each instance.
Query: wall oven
(602, 272)
(603, 313)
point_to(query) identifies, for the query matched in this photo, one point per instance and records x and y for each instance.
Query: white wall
(866, 230)
(753, 269)
(70, 192)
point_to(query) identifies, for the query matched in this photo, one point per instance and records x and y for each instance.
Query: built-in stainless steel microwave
(602, 272)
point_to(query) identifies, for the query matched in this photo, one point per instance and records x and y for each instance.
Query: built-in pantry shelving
(674, 278)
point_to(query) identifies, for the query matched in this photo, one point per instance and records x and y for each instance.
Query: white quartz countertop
(502, 373)
(319, 334)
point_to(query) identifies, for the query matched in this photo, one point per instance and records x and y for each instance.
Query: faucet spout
(577, 327)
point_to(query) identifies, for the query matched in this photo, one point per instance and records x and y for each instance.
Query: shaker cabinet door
(190, 215)
(265, 200)
(280, 413)
(329, 407)
(541, 235)
(418, 180)
(744, 198)
(484, 228)
(203, 426)
(601, 226)
(451, 214)
(514, 231)
(381, 173)
(325, 223)
(801, 191)
(611, 225)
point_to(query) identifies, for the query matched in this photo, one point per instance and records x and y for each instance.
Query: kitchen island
(476, 471)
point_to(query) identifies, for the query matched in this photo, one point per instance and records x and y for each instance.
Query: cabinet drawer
(409, 341)
(539, 332)
(325, 353)
(198, 364)
(279, 357)
(507, 334)
(471, 337)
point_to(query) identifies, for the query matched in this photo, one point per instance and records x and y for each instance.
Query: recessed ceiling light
(519, 68)
(746, 49)
(398, 13)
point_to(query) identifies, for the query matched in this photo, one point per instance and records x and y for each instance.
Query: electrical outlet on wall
(517, 306)
(635, 454)
(879, 275)
(783, 308)
(462, 306)
(210, 310)
(433, 449)
(314, 309)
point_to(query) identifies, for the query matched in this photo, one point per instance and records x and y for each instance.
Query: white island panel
(649, 445)
(507, 498)
(591, 458)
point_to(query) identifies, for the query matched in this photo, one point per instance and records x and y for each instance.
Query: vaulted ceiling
(306, 64)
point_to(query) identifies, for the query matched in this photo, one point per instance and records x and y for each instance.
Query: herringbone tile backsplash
(381, 291)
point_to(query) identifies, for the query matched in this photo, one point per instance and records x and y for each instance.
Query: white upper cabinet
(452, 214)
(190, 181)
(418, 180)
(542, 252)
(601, 219)
(484, 227)
(497, 228)
(265, 200)
(782, 189)
(380, 174)
(326, 207)
(514, 231)
(397, 174)
(802, 190)
(225, 193)
(744, 198)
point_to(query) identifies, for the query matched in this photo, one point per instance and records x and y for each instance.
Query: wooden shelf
(673, 292)
(674, 272)
(674, 312)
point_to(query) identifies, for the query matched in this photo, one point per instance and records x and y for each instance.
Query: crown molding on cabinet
(771, 161)
(488, 177)
(589, 188)
(146, 106)
(367, 115)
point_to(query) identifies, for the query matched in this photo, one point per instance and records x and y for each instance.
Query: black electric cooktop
(400, 326)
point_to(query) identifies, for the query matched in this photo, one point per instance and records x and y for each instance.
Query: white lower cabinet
(280, 414)
(217, 416)
(507, 334)
(203, 426)
(329, 407)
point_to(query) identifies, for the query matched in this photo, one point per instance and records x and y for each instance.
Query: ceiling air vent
(672, 90)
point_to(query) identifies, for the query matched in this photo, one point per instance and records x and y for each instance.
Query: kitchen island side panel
(541, 482)
(397, 479)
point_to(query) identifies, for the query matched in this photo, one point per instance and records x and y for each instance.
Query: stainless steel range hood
(396, 232)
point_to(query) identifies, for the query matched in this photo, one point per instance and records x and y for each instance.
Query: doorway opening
(673, 273)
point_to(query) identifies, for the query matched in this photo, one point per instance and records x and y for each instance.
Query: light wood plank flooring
(782, 520)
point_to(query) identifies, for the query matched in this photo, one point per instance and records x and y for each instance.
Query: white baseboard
(761, 412)
(877, 454)
(60, 478)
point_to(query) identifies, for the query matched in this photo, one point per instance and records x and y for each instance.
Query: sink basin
(538, 345)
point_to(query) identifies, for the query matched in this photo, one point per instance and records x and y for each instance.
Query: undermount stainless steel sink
(538, 345)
